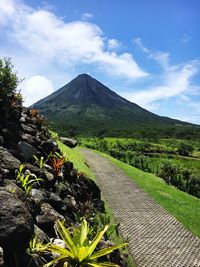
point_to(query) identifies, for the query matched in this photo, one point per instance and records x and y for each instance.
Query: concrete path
(156, 239)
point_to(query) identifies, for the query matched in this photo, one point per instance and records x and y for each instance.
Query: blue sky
(146, 51)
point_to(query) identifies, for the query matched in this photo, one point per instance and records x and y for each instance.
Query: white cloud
(7, 9)
(139, 43)
(35, 88)
(86, 16)
(161, 57)
(185, 39)
(47, 36)
(113, 44)
(175, 82)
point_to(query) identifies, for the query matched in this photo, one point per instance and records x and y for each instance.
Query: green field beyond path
(184, 207)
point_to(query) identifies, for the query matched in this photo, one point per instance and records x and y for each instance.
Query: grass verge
(184, 207)
(77, 158)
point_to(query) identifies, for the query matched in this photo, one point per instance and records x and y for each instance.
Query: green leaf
(84, 231)
(65, 235)
(21, 167)
(56, 260)
(59, 250)
(102, 264)
(106, 251)
(82, 253)
(96, 240)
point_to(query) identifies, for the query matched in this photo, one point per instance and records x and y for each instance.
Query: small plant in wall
(35, 113)
(79, 250)
(16, 99)
(57, 164)
(26, 178)
(40, 161)
(35, 250)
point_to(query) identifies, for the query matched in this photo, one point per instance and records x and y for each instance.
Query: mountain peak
(84, 75)
(85, 104)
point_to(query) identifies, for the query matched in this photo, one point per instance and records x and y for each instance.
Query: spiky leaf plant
(80, 251)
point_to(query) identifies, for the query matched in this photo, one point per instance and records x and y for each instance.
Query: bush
(8, 79)
(8, 84)
(184, 149)
(193, 185)
(168, 171)
(182, 178)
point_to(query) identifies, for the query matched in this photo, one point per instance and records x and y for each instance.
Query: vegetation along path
(156, 239)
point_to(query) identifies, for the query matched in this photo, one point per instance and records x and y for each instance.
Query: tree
(8, 79)
(8, 84)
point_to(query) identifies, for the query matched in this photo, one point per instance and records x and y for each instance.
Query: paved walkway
(156, 239)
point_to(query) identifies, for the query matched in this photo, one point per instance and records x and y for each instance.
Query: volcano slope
(86, 107)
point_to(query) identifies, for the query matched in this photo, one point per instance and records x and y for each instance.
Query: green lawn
(184, 207)
(77, 158)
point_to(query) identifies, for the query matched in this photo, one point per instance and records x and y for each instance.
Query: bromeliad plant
(79, 251)
(26, 178)
(57, 164)
(104, 219)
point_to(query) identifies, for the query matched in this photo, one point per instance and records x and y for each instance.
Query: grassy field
(184, 207)
(167, 146)
(176, 161)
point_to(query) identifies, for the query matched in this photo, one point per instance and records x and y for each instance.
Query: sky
(146, 51)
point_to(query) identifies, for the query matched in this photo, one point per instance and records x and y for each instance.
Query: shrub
(79, 250)
(168, 171)
(193, 185)
(184, 149)
(8, 79)
(8, 84)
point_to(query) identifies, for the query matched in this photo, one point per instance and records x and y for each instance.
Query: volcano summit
(86, 107)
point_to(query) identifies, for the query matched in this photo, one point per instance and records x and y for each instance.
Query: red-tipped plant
(34, 113)
(57, 164)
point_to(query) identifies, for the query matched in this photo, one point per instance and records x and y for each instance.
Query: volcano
(86, 107)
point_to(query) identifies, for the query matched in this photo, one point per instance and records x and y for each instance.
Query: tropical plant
(79, 250)
(34, 112)
(35, 250)
(40, 161)
(35, 245)
(26, 178)
(57, 164)
(104, 219)
(40, 119)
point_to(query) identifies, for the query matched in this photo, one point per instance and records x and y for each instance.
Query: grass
(76, 157)
(184, 207)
